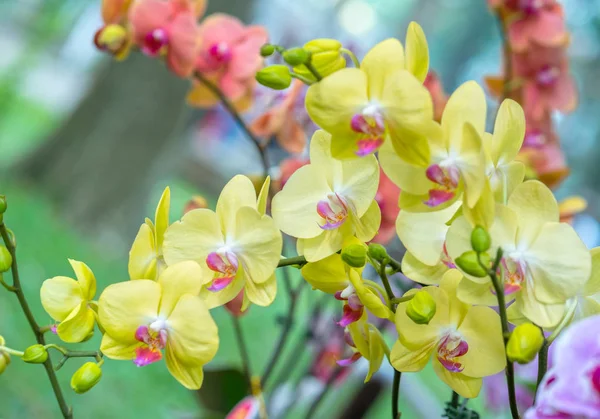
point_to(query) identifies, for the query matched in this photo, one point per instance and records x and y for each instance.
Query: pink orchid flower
(287, 168)
(279, 122)
(167, 28)
(229, 56)
(533, 21)
(547, 84)
(547, 162)
(387, 197)
(438, 95)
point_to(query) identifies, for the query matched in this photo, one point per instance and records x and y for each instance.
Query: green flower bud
(377, 251)
(355, 255)
(4, 357)
(35, 354)
(3, 205)
(296, 56)
(421, 308)
(5, 259)
(326, 58)
(267, 50)
(524, 343)
(86, 377)
(276, 77)
(468, 263)
(480, 240)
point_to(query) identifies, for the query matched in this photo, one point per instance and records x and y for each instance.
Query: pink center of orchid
(513, 274)
(220, 52)
(534, 139)
(353, 309)
(225, 265)
(154, 339)
(530, 7)
(371, 125)
(333, 210)
(446, 181)
(446, 259)
(547, 76)
(154, 42)
(595, 378)
(450, 349)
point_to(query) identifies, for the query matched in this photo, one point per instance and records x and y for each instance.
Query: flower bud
(267, 50)
(524, 343)
(276, 77)
(469, 264)
(421, 308)
(4, 357)
(480, 240)
(3, 205)
(296, 56)
(355, 255)
(4, 361)
(5, 259)
(111, 38)
(35, 354)
(86, 377)
(197, 202)
(326, 58)
(377, 251)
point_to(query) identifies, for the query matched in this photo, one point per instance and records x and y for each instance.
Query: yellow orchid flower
(332, 276)
(544, 262)
(587, 299)
(70, 302)
(465, 342)
(457, 160)
(502, 147)
(146, 255)
(4, 356)
(366, 342)
(328, 201)
(382, 100)
(424, 235)
(238, 246)
(141, 318)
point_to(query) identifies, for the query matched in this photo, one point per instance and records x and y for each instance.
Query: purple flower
(571, 388)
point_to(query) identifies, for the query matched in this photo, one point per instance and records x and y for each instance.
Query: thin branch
(396, 395)
(244, 354)
(296, 260)
(510, 373)
(66, 411)
(260, 147)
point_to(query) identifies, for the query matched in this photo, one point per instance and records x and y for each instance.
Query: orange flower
(229, 56)
(167, 28)
(279, 121)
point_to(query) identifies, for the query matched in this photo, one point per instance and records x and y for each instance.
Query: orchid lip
(334, 211)
(350, 315)
(154, 42)
(450, 349)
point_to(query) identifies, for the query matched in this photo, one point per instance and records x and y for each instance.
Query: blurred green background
(87, 146)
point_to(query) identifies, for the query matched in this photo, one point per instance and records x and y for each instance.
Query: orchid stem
(296, 260)
(66, 411)
(238, 119)
(244, 354)
(499, 290)
(542, 363)
(303, 79)
(386, 284)
(351, 55)
(396, 395)
(313, 70)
